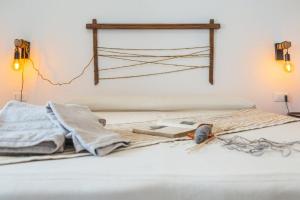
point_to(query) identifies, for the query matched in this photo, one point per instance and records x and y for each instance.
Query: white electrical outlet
(279, 97)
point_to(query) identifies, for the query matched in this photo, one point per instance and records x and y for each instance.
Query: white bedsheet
(162, 172)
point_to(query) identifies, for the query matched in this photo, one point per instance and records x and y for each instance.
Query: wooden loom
(211, 26)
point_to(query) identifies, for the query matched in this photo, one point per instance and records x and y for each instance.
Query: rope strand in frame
(140, 59)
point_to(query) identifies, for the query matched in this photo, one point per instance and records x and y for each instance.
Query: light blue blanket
(30, 129)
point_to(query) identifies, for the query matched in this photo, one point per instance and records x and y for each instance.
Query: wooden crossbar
(153, 26)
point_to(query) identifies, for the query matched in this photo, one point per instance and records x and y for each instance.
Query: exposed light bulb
(16, 65)
(288, 67)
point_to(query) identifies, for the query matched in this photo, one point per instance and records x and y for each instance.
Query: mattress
(163, 171)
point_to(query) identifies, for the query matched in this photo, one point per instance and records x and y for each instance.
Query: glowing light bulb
(288, 67)
(16, 65)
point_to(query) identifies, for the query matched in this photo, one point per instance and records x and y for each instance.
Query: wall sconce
(22, 52)
(282, 53)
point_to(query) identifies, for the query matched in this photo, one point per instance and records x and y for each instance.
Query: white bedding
(162, 171)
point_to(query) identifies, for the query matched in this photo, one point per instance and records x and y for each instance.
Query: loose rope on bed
(259, 146)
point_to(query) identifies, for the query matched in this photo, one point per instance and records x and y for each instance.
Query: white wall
(61, 45)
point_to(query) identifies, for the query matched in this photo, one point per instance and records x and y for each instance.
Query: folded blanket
(30, 129)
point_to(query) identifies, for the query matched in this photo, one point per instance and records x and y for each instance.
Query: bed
(166, 170)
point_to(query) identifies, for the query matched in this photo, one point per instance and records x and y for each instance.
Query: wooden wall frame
(211, 26)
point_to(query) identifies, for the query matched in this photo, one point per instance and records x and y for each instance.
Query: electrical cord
(22, 86)
(286, 100)
(292, 114)
(287, 107)
(50, 81)
(60, 83)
